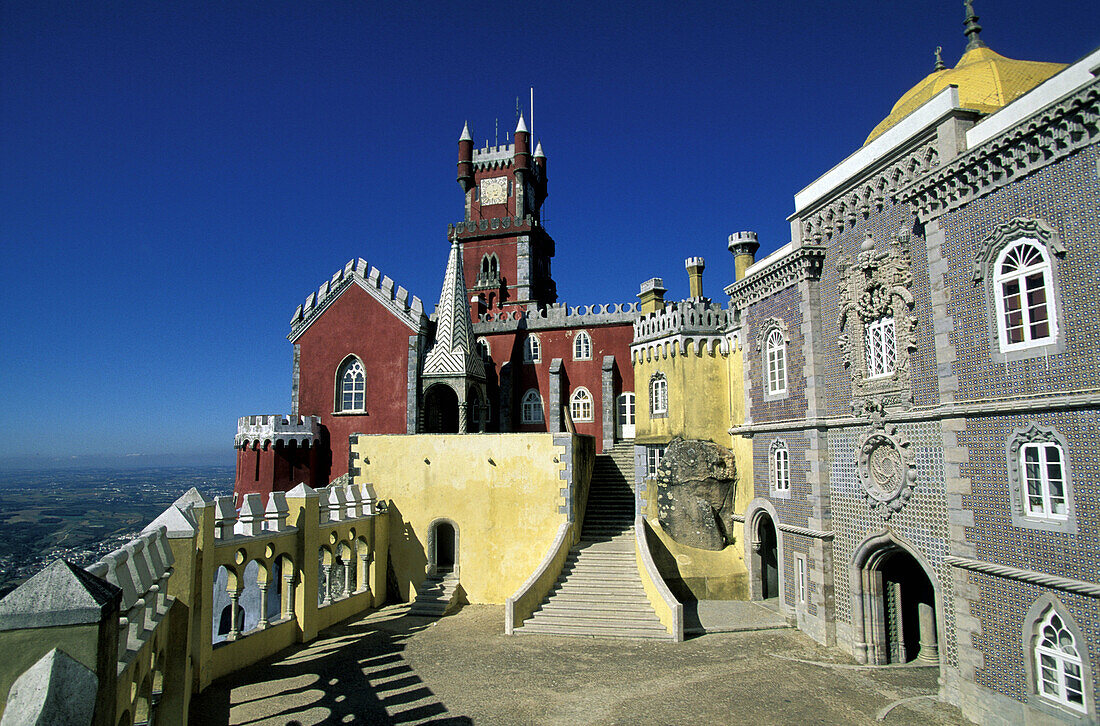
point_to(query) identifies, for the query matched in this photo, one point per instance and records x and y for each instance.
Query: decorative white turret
(452, 353)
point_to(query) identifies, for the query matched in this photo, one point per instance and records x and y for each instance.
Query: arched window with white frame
(532, 349)
(658, 395)
(582, 346)
(1040, 479)
(1043, 469)
(1059, 668)
(776, 358)
(1024, 296)
(880, 347)
(780, 467)
(531, 407)
(351, 387)
(483, 350)
(580, 405)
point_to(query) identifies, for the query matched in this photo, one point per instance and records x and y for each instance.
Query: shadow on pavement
(353, 672)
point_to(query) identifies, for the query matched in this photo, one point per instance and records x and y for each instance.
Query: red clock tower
(506, 253)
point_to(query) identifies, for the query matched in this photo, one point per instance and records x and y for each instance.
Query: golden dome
(987, 82)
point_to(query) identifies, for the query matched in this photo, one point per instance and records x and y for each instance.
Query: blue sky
(175, 178)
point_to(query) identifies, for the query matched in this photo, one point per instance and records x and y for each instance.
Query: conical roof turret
(465, 132)
(453, 353)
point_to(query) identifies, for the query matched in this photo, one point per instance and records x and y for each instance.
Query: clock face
(494, 191)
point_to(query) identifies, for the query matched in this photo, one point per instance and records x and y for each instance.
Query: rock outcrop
(696, 485)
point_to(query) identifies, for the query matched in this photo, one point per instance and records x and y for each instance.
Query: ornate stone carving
(887, 470)
(768, 326)
(876, 287)
(1058, 130)
(1031, 434)
(1017, 228)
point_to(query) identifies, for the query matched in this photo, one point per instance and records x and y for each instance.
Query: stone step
(600, 609)
(607, 631)
(625, 621)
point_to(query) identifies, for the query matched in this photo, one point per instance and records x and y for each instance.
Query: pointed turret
(522, 125)
(466, 159)
(523, 146)
(452, 361)
(452, 353)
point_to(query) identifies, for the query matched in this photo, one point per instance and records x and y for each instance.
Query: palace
(885, 435)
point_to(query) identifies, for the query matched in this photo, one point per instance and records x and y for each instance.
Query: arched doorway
(767, 549)
(894, 605)
(443, 547)
(441, 410)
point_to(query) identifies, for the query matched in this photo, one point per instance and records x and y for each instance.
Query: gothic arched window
(531, 407)
(776, 353)
(1058, 664)
(580, 405)
(351, 394)
(582, 346)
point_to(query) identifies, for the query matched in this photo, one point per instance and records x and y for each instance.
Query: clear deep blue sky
(175, 178)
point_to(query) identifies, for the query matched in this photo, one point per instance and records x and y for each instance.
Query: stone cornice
(1069, 124)
(1067, 584)
(802, 263)
(965, 409)
(557, 315)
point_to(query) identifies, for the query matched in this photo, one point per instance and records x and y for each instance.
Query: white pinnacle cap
(538, 150)
(465, 132)
(521, 126)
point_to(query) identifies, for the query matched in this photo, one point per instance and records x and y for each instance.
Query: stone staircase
(599, 592)
(436, 596)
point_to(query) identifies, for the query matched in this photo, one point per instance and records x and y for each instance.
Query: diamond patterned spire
(453, 353)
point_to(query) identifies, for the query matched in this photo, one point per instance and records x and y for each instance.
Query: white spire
(522, 125)
(538, 150)
(453, 352)
(465, 132)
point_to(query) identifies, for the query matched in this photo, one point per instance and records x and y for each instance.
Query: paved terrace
(390, 668)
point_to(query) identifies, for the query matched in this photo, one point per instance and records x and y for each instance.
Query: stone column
(262, 624)
(929, 642)
(327, 599)
(234, 616)
(553, 398)
(288, 595)
(347, 577)
(462, 417)
(610, 410)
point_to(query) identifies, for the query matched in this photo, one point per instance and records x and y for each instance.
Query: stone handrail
(522, 603)
(669, 609)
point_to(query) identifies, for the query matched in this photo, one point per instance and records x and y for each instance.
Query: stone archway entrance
(766, 558)
(895, 605)
(441, 410)
(442, 547)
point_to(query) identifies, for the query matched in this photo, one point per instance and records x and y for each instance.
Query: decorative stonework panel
(887, 470)
(877, 287)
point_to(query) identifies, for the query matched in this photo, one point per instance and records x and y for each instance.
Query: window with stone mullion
(1059, 665)
(880, 345)
(353, 388)
(1044, 473)
(777, 363)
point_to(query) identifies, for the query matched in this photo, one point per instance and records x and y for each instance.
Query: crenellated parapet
(263, 431)
(681, 328)
(379, 286)
(494, 157)
(477, 227)
(140, 569)
(557, 315)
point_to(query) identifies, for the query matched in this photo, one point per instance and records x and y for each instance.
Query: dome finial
(972, 27)
(939, 60)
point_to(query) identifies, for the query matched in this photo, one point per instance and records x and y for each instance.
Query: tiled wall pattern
(787, 306)
(922, 522)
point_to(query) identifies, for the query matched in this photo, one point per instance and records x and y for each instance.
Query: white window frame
(357, 390)
(776, 362)
(658, 395)
(582, 346)
(1059, 668)
(485, 349)
(654, 455)
(531, 409)
(1020, 276)
(881, 347)
(532, 349)
(626, 404)
(780, 467)
(800, 578)
(1043, 456)
(581, 405)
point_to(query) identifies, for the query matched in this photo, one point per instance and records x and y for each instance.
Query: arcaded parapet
(277, 429)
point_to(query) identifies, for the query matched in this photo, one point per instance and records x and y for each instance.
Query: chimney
(743, 245)
(694, 267)
(652, 296)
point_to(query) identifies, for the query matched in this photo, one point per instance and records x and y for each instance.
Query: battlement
(494, 157)
(740, 239)
(336, 503)
(380, 287)
(476, 226)
(557, 315)
(682, 318)
(276, 429)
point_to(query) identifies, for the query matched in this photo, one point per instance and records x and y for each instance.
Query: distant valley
(82, 514)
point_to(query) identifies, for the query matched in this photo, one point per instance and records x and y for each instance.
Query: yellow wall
(705, 398)
(502, 492)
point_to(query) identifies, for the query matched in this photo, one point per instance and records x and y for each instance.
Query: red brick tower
(505, 250)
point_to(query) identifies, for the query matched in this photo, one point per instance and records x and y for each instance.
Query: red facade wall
(274, 468)
(355, 324)
(558, 343)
